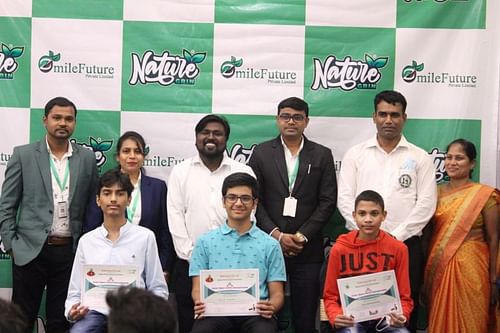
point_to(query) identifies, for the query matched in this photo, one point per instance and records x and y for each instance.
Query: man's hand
(166, 275)
(291, 245)
(397, 320)
(199, 309)
(265, 309)
(344, 321)
(77, 312)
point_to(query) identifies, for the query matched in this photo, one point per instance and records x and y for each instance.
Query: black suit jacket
(315, 190)
(153, 217)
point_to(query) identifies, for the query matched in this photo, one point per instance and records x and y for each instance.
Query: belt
(58, 241)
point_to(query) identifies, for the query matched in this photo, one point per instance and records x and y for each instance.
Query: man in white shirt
(402, 173)
(115, 242)
(193, 202)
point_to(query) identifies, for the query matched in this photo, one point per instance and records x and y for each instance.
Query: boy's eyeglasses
(233, 198)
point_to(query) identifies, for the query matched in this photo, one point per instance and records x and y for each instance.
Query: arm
(347, 189)
(165, 243)
(199, 307)
(490, 216)
(176, 219)
(331, 295)
(425, 204)
(12, 192)
(73, 309)
(403, 279)
(198, 262)
(154, 279)
(93, 214)
(267, 308)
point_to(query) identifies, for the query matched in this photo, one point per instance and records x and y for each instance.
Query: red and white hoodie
(351, 256)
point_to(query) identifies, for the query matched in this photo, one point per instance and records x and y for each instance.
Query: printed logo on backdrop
(232, 69)
(348, 73)
(8, 61)
(436, 1)
(166, 69)
(241, 154)
(98, 147)
(51, 63)
(414, 73)
(160, 161)
(438, 158)
(4, 158)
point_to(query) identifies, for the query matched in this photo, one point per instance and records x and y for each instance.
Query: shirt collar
(225, 161)
(373, 142)
(68, 153)
(288, 150)
(123, 229)
(226, 229)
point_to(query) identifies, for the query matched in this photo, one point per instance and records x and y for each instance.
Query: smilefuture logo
(347, 74)
(414, 74)
(8, 63)
(48, 63)
(166, 69)
(229, 69)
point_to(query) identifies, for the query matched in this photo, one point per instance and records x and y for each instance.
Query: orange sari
(457, 280)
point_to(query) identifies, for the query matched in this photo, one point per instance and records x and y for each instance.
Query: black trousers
(304, 294)
(51, 268)
(250, 324)
(416, 259)
(185, 305)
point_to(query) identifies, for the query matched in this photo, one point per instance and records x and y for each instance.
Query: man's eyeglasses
(233, 198)
(295, 117)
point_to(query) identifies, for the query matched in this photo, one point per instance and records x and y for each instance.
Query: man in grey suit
(46, 189)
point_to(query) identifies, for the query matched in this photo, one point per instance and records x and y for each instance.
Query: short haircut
(59, 101)
(240, 179)
(135, 310)
(468, 147)
(390, 96)
(294, 103)
(114, 176)
(134, 136)
(213, 118)
(12, 319)
(371, 196)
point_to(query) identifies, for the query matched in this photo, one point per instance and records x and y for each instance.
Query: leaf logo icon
(46, 63)
(228, 68)
(409, 73)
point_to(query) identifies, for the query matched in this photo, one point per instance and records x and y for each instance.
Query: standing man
(46, 189)
(402, 173)
(298, 196)
(193, 202)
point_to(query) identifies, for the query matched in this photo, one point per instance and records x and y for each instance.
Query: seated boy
(249, 247)
(385, 253)
(115, 242)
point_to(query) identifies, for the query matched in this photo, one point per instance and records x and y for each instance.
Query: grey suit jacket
(27, 205)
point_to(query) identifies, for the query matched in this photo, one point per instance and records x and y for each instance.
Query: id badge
(290, 206)
(62, 209)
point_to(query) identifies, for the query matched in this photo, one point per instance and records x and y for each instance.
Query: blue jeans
(93, 322)
(369, 327)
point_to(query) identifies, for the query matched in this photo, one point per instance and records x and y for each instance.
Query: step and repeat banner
(158, 66)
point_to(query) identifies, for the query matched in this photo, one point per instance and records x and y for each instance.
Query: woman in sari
(460, 275)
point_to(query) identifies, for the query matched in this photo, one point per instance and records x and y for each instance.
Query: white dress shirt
(405, 178)
(136, 246)
(194, 200)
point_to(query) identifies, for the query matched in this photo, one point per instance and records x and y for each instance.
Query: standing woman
(460, 275)
(148, 206)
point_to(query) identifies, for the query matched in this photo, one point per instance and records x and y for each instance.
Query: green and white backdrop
(158, 66)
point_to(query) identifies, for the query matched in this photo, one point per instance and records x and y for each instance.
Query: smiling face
(60, 122)
(369, 217)
(389, 120)
(457, 164)
(291, 123)
(239, 203)
(211, 140)
(130, 157)
(113, 200)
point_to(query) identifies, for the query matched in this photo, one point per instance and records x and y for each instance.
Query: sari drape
(457, 280)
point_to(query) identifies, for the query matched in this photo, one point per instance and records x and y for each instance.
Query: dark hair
(134, 136)
(12, 319)
(371, 196)
(59, 101)
(112, 177)
(240, 179)
(468, 147)
(213, 118)
(294, 103)
(390, 96)
(135, 310)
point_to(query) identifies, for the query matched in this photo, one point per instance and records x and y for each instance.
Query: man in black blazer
(297, 198)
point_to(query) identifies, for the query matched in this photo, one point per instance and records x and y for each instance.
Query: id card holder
(62, 209)
(290, 206)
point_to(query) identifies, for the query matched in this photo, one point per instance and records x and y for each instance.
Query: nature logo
(228, 68)
(46, 63)
(409, 73)
(98, 147)
(8, 63)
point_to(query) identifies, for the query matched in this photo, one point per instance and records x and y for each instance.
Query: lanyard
(131, 210)
(293, 176)
(56, 174)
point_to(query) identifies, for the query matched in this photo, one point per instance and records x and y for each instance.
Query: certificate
(230, 292)
(370, 296)
(99, 279)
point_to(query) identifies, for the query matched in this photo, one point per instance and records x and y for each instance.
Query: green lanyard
(293, 176)
(131, 210)
(53, 168)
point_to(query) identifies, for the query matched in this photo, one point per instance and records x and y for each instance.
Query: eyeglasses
(233, 198)
(295, 117)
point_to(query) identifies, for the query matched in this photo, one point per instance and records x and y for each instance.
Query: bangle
(279, 237)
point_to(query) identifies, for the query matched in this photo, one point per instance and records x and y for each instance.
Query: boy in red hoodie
(363, 251)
